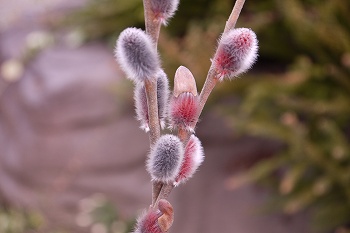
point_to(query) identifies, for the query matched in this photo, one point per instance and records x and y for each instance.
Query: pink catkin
(163, 10)
(193, 158)
(236, 53)
(183, 111)
(156, 221)
(148, 222)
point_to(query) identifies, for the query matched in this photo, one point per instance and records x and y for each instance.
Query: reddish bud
(183, 111)
(141, 106)
(236, 53)
(156, 221)
(148, 222)
(136, 55)
(193, 158)
(165, 158)
(164, 9)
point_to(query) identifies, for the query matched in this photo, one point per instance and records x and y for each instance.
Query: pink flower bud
(236, 53)
(165, 158)
(164, 9)
(148, 222)
(183, 111)
(193, 158)
(135, 54)
(141, 106)
(156, 221)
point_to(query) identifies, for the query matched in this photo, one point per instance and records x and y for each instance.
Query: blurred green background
(298, 93)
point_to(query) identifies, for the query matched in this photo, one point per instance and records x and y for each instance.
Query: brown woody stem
(151, 93)
(164, 193)
(152, 24)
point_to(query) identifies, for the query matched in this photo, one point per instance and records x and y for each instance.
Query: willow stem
(232, 20)
(152, 24)
(164, 193)
(153, 30)
(151, 93)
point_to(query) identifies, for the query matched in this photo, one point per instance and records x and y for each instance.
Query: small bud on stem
(184, 103)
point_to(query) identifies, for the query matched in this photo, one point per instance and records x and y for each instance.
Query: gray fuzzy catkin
(165, 158)
(164, 9)
(141, 106)
(135, 53)
(163, 94)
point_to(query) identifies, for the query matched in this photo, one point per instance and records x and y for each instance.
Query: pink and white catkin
(184, 102)
(193, 158)
(141, 106)
(236, 53)
(163, 10)
(136, 56)
(156, 220)
(165, 159)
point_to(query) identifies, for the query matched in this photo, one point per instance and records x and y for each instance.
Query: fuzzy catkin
(135, 53)
(193, 158)
(163, 10)
(236, 53)
(162, 97)
(148, 222)
(183, 111)
(141, 106)
(165, 158)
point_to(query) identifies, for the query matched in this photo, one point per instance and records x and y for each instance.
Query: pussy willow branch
(151, 93)
(167, 188)
(212, 78)
(152, 29)
(208, 86)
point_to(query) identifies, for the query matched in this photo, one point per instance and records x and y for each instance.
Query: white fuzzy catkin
(165, 158)
(135, 53)
(141, 106)
(163, 10)
(236, 53)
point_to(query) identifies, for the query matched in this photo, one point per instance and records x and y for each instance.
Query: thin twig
(152, 24)
(164, 193)
(232, 20)
(153, 30)
(151, 93)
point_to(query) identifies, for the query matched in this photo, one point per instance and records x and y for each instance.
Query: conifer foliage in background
(306, 107)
